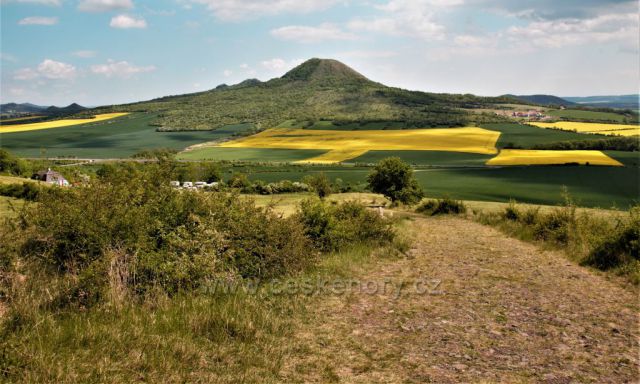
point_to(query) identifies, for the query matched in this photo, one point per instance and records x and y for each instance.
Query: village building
(51, 177)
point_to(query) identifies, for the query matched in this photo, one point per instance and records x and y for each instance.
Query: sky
(100, 52)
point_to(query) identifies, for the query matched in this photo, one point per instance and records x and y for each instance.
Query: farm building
(51, 177)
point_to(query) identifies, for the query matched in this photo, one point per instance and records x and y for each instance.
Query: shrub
(11, 164)
(620, 247)
(444, 206)
(134, 231)
(26, 191)
(556, 226)
(332, 228)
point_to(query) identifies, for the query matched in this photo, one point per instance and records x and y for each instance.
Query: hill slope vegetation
(318, 89)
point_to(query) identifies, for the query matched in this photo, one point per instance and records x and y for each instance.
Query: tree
(211, 173)
(395, 179)
(320, 184)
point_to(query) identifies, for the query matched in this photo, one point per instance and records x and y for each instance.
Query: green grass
(213, 337)
(426, 158)
(117, 138)
(250, 154)
(526, 135)
(587, 115)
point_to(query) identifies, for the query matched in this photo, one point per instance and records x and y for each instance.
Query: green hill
(318, 89)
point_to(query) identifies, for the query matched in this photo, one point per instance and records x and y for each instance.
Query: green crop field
(536, 185)
(116, 138)
(440, 158)
(527, 135)
(250, 154)
(629, 159)
(587, 115)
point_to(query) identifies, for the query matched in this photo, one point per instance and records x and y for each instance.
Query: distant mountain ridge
(546, 100)
(617, 101)
(32, 108)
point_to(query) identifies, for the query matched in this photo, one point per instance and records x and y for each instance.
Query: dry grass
(9, 206)
(58, 123)
(15, 180)
(551, 157)
(344, 145)
(602, 128)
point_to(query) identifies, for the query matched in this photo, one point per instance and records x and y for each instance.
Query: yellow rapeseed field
(605, 129)
(549, 157)
(57, 123)
(344, 145)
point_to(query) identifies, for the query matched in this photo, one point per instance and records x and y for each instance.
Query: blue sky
(98, 52)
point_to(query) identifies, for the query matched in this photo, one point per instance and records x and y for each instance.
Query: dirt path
(508, 312)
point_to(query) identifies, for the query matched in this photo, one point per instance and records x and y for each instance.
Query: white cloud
(37, 20)
(412, 18)
(55, 3)
(279, 65)
(120, 69)
(52, 69)
(85, 54)
(25, 74)
(234, 10)
(49, 69)
(8, 57)
(104, 5)
(565, 32)
(17, 91)
(227, 73)
(306, 34)
(127, 22)
(365, 54)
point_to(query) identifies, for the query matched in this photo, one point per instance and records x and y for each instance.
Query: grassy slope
(8, 206)
(109, 139)
(218, 337)
(15, 180)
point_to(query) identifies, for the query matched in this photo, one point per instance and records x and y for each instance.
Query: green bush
(130, 231)
(444, 206)
(26, 191)
(334, 227)
(620, 247)
(557, 226)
